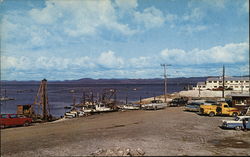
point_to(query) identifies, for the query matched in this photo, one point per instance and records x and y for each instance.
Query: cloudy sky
(63, 40)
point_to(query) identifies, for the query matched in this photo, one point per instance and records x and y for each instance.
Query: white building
(234, 83)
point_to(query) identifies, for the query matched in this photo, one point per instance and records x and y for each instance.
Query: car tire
(2, 126)
(211, 114)
(235, 114)
(26, 123)
(238, 128)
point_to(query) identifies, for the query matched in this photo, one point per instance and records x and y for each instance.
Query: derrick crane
(41, 100)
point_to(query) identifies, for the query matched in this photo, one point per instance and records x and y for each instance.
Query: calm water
(59, 94)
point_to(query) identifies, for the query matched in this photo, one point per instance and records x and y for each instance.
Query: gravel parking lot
(171, 131)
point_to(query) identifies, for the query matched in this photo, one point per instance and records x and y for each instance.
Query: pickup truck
(219, 109)
(7, 120)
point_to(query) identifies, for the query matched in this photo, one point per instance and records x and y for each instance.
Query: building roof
(201, 83)
(228, 79)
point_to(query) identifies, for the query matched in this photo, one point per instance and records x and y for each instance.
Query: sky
(74, 39)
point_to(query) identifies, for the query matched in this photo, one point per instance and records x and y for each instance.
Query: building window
(231, 86)
(247, 86)
(247, 81)
(220, 81)
(236, 86)
(241, 81)
(215, 81)
(203, 86)
(236, 81)
(215, 86)
(231, 81)
(210, 81)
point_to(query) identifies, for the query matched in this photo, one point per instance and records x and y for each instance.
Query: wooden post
(199, 91)
(44, 99)
(223, 82)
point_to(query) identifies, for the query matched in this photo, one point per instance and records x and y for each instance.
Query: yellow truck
(219, 109)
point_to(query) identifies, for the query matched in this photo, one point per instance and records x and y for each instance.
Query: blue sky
(63, 40)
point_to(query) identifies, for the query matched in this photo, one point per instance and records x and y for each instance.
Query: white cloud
(79, 18)
(109, 60)
(246, 6)
(47, 15)
(171, 17)
(189, 29)
(196, 14)
(141, 62)
(230, 53)
(150, 17)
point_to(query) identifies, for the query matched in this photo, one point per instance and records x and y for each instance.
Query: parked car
(178, 102)
(7, 120)
(154, 105)
(193, 106)
(237, 123)
(74, 114)
(210, 102)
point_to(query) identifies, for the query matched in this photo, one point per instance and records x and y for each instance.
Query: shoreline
(205, 94)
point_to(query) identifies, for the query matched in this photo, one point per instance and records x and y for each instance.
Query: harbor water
(61, 95)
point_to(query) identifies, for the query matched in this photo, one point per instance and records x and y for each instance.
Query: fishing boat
(97, 108)
(102, 108)
(5, 97)
(89, 108)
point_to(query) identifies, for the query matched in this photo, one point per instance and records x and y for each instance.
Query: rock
(110, 152)
(119, 152)
(140, 151)
(98, 152)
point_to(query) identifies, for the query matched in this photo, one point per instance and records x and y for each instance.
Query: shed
(241, 99)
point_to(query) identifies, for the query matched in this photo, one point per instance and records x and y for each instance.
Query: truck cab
(219, 109)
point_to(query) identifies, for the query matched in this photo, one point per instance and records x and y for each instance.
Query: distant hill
(189, 80)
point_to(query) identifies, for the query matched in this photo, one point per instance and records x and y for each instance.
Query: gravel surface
(171, 131)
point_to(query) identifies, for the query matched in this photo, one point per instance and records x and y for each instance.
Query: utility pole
(223, 82)
(165, 81)
(44, 99)
(199, 91)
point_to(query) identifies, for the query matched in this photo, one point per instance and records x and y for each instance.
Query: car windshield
(13, 116)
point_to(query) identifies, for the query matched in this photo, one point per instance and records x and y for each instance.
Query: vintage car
(176, 102)
(7, 120)
(237, 123)
(219, 109)
(154, 105)
(74, 114)
(193, 106)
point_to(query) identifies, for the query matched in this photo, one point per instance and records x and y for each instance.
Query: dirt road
(163, 132)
